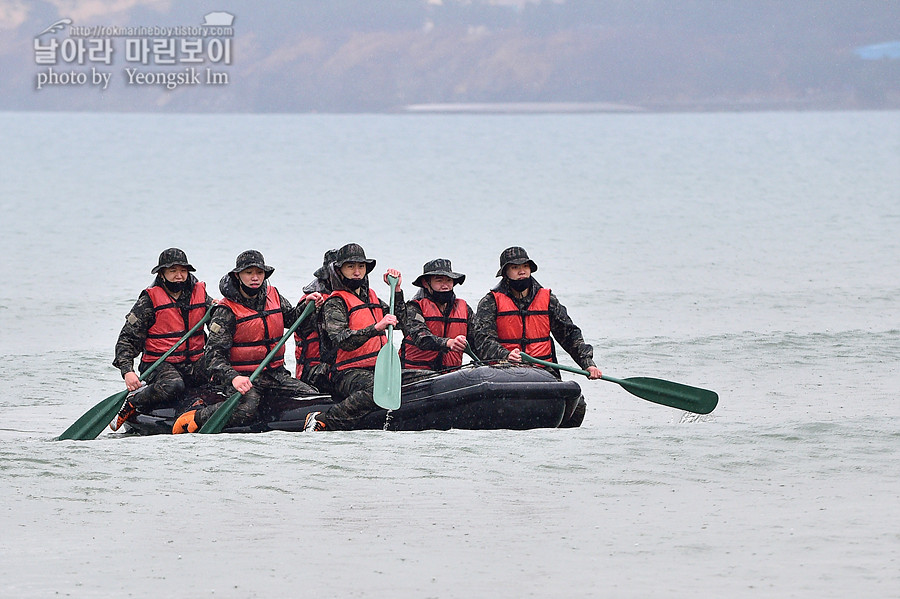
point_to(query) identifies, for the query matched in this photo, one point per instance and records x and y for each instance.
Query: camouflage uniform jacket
(222, 327)
(566, 333)
(335, 332)
(130, 343)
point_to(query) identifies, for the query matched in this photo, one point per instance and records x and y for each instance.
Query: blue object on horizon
(888, 50)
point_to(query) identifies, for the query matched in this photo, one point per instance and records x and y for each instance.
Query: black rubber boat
(479, 398)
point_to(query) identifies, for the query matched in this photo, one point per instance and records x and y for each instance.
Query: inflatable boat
(476, 397)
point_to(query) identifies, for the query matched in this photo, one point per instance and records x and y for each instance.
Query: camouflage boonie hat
(353, 252)
(515, 255)
(249, 259)
(322, 271)
(439, 267)
(172, 257)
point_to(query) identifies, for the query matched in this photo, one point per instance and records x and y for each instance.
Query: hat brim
(458, 278)
(264, 267)
(160, 267)
(517, 261)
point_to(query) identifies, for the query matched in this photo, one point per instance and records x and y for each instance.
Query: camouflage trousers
(355, 386)
(167, 384)
(268, 385)
(317, 376)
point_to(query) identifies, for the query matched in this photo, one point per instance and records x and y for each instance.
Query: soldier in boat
(246, 324)
(162, 314)
(309, 366)
(520, 315)
(446, 316)
(352, 333)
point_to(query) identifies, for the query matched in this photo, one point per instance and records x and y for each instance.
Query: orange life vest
(361, 314)
(452, 325)
(256, 333)
(169, 326)
(527, 329)
(306, 349)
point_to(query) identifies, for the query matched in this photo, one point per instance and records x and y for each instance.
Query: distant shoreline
(519, 108)
(699, 106)
(492, 108)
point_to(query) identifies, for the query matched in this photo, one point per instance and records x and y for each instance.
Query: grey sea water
(753, 254)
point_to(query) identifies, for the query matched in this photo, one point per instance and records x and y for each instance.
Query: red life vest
(306, 349)
(361, 314)
(169, 326)
(256, 333)
(452, 325)
(527, 329)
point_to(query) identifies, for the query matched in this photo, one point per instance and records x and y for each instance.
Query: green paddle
(388, 376)
(220, 418)
(666, 393)
(95, 420)
(471, 353)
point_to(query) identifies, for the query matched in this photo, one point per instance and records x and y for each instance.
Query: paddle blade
(388, 376)
(96, 419)
(220, 417)
(667, 393)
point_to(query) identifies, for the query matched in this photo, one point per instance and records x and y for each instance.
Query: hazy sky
(307, 55)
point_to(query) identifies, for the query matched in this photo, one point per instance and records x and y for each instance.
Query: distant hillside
(351, 56)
